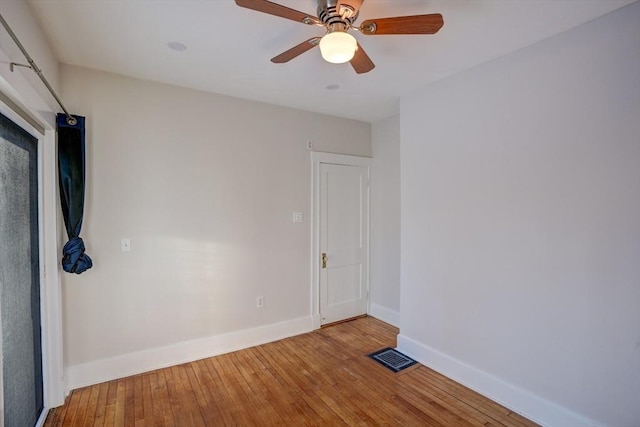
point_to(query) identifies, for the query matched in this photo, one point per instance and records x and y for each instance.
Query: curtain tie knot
(74, 259)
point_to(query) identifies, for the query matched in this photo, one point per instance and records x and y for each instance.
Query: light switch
(298, 217)
(125, 245)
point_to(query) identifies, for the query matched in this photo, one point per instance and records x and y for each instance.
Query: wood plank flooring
(323, 378)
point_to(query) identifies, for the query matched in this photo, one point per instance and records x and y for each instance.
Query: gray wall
(385, 220)
(521, 225)
(204, 185)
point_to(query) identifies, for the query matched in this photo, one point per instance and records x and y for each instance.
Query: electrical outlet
(260, 302)
(125, 245)
(309, 145)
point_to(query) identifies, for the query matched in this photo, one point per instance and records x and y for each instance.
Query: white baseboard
(385, 314)
(518, 400)
(121, 366)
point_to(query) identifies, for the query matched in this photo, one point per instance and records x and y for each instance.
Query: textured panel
(19, 288)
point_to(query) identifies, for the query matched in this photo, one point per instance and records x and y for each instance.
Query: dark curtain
(71, 171)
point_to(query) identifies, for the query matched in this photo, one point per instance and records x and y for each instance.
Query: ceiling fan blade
(296, 50)
(352, 5)
(361, 62)
(415, 24)
(274, 9)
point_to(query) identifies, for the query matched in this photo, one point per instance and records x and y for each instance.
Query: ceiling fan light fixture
(338, 47)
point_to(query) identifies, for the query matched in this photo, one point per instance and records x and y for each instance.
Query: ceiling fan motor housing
(336, 19)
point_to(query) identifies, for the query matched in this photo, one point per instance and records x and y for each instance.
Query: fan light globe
(338, 47)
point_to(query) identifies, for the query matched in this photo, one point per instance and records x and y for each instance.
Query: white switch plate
(125, 245)
(298, 217)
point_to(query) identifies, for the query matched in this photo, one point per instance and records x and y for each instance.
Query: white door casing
(341, 232)
(50, 291)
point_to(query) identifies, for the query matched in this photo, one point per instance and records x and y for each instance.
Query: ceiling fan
(338, 17)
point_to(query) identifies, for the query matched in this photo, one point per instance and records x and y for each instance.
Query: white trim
(517, 399)
(340, 159)
(317, 158)
(42, 418)
(102, 370)
(385, 314)
(50, 289)
(316, 321)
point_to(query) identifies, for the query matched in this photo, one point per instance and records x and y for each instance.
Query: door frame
(48, 234)
(318, 158)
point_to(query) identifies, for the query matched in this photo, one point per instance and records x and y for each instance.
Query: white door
(343, 241)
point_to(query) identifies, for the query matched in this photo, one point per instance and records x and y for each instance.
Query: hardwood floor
(323, 378)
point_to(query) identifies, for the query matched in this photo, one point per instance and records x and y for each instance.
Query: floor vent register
(392, 359)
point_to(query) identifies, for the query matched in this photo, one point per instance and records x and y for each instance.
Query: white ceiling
(229, 48)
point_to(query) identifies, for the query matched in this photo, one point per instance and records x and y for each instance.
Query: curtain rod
(32, 65)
